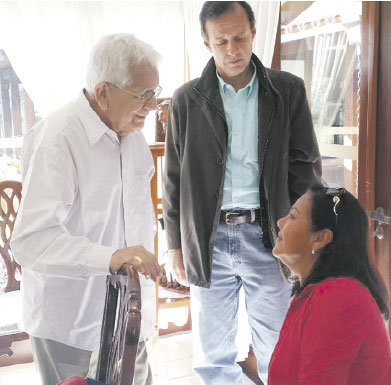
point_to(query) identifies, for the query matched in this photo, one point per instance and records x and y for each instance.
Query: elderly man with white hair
(86, 210)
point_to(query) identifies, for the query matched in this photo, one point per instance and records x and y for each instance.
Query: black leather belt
(239, 217)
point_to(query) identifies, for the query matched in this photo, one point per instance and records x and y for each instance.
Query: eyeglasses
(336, 193)
(144, 96)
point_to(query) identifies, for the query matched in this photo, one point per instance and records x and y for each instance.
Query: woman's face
(295, 241)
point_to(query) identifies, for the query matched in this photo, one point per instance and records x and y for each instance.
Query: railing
(342, 151)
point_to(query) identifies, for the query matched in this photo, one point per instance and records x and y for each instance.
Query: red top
(333, 334)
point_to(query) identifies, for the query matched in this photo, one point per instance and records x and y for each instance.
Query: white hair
(113, 58)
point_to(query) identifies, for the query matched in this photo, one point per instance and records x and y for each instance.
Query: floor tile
(19, 375)
(171, 361)
(175, 369)
(188, 380)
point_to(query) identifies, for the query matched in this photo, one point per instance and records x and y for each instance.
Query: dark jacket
(196, 153)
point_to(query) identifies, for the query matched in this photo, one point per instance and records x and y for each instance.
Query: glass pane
(321, 44)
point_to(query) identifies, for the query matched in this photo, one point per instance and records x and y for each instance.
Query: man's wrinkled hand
(175, 263)
(139, 258)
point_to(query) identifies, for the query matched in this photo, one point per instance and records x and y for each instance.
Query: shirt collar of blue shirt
(223, 85)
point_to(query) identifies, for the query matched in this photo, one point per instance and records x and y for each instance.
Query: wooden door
(375, 127)
(383, 141)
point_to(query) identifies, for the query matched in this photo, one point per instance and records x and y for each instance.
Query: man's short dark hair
(213, 9)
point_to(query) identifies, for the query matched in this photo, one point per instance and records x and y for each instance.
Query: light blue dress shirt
(241, 183)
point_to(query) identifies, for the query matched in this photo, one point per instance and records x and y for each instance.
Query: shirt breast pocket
(139, 186)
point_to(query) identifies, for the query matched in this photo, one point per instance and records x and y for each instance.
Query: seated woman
(334, 333)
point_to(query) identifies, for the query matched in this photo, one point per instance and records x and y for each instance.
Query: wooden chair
(169, 294)
(10, 196)
(120, 329)
(173, 295)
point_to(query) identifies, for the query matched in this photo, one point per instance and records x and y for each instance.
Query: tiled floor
(171, 361)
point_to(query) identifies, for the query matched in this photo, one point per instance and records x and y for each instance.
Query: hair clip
(336, 200)
(336, 193)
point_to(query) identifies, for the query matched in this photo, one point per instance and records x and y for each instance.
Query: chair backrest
(161, 118)
(10, 196)
(120, 328)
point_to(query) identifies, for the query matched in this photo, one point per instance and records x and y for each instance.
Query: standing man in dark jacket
(240, 149)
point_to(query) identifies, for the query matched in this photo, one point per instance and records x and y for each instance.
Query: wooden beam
(7, 119)
(15, 102)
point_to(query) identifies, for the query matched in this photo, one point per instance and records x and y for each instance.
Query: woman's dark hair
(213, 9)
(347, 255)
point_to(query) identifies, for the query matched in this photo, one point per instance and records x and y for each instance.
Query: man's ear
(253, 32)
(207, 45)
(101, 95)
(322, 238)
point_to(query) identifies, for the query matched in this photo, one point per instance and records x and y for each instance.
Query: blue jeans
(239, 259)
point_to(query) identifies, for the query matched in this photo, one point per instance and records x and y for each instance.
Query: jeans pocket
(255, 229)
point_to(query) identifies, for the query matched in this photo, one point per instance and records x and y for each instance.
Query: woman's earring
(313, 252)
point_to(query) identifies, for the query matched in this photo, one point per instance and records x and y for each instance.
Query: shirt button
(216, 195)
(220, 161)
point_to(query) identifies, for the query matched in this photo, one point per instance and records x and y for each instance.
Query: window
(321, 44)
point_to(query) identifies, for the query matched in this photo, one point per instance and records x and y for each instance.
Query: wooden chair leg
(173, 328)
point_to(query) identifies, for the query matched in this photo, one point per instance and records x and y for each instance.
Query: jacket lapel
(206, 93)
(266, 107)
(265, 116)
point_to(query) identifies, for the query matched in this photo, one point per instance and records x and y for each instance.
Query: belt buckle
(228, 217)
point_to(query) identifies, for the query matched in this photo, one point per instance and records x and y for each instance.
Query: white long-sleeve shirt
(85, 194)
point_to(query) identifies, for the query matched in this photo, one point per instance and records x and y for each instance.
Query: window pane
(321, 44)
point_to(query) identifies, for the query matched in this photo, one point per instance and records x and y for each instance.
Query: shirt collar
(91, 122)
(223, 85)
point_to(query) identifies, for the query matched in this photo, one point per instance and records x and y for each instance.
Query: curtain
(332, 72)
(48, 42)
(266, 24)
(197, 54)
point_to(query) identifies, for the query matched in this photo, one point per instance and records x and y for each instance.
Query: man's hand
(139, 258)
(175, 263)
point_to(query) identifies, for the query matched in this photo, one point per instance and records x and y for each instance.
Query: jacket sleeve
(304, 159)
(171, 180)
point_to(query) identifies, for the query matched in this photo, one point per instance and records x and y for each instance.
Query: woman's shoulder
(340, 284)
(343, 292)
